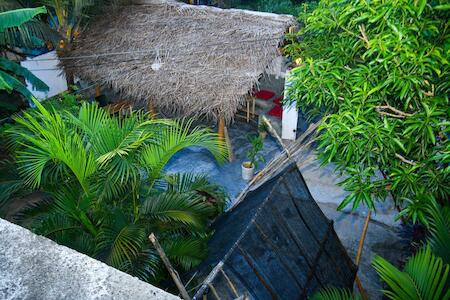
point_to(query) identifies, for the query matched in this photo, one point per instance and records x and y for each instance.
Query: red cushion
(278, 100)
(276, 111)
(264, 94)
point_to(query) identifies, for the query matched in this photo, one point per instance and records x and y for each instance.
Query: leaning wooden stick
(363, 238)
(359, 253)
(274, 133)
(173, 273)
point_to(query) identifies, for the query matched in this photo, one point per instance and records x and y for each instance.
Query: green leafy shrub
(378, 73)
(105, 175)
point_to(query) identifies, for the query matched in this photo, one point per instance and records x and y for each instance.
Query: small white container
(247, 173)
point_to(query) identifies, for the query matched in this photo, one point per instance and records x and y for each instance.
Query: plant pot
(248, 169)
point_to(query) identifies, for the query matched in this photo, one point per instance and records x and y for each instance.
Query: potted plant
(262, 129)
(248, 167)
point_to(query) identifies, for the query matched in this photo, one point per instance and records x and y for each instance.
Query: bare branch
(410, 162)
(397, 113)
(362, 29)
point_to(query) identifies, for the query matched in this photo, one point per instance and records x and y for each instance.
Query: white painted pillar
(290, 115)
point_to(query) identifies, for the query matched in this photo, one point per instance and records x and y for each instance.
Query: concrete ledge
(34, 267)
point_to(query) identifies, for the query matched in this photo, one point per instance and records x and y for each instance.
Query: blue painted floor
(228, 175)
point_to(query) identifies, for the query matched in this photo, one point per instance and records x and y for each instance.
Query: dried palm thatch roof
(191, 60)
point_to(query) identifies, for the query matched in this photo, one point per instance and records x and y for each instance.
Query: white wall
(45, 67)
(290, 116)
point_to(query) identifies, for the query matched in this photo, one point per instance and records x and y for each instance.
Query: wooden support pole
(173, 273)
(248, 110)
(97, 90)
(229, 146)
(221, 129)
(151, 108)
(253, 107)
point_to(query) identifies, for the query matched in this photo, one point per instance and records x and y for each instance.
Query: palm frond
(114, 140)
(146, 265)
(213, 194)
(10, 184)
(172, 139)
(55, 226)
(430, 275)
(185, 252)
(52, 142)
(439, 230)
(334, 294)
(90, 118)
(106, 187)
(169, 208)
(425, 276)
(7, 189)
(120, 246)
(35, 211)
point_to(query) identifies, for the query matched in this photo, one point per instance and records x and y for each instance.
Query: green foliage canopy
(378, 72)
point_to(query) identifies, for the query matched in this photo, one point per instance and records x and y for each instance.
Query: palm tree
(69, 15)
(109, 191)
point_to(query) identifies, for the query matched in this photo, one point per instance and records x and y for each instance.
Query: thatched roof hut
(190, 60)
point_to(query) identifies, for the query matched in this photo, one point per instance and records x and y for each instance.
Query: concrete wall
(34, 267)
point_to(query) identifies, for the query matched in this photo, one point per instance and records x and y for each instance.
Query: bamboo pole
(201, 291)
(230, 283)
(213, 290)
(274, 133)
(173, 273)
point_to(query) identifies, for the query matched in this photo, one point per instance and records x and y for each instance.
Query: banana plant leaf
(18, 70)
(17, 17)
